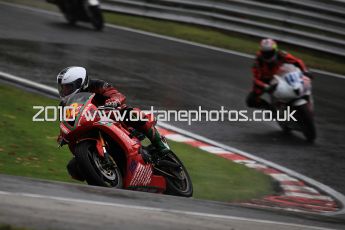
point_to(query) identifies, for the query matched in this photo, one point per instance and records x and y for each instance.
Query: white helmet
(71, 80)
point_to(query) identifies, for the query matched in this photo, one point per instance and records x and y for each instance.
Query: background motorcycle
(81, 10)
(107, 153)
(294, 90)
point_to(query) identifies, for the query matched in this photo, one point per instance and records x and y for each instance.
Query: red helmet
(268, 49)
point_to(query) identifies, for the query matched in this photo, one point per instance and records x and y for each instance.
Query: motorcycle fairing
(141, 177)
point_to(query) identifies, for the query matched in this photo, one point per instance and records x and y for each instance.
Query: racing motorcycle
(293, 89)
(110, 154)
(81, 10)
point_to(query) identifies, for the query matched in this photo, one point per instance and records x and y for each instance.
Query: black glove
(308, 74)
(111, 102)
(270, 88)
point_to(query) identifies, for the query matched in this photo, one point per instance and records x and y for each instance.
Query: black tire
(307, 122)
(74, 170)
(96, 18)
(91, 166)
(284, 127)
(67, 10)
(175, 186)
(71, 20)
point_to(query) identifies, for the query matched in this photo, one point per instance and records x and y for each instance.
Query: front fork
(102, 145)
(102, 150)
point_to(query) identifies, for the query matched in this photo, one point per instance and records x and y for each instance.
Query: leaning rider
(72, 80)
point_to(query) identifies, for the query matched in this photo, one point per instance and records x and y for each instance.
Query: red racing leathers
(104, 91)
(263, 72)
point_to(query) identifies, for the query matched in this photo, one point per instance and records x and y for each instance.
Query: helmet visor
(69, 88)
(268, 55)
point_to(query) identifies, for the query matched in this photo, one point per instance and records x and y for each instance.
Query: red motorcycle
(110, 154)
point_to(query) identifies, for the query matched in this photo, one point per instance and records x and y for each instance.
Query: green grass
(227, 40)
(204, 35)
(216, 178)
(29, 149)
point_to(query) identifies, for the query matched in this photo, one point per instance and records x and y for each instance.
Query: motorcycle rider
(267, 62)
(72, 80)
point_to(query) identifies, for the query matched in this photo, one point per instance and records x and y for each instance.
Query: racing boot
(158, 141)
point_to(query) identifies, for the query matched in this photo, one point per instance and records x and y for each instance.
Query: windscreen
(79, 98)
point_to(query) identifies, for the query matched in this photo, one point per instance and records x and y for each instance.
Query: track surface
(46, 205)
(171, 75)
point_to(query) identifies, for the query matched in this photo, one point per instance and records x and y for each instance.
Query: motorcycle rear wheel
(93, 168)
(179, 183)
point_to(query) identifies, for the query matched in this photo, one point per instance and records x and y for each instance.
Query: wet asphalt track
(171, 75)
(39, 204)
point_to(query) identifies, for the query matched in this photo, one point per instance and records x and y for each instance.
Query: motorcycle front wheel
(96, 17)
(307, 122)
(97, 171)
(67, 10)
